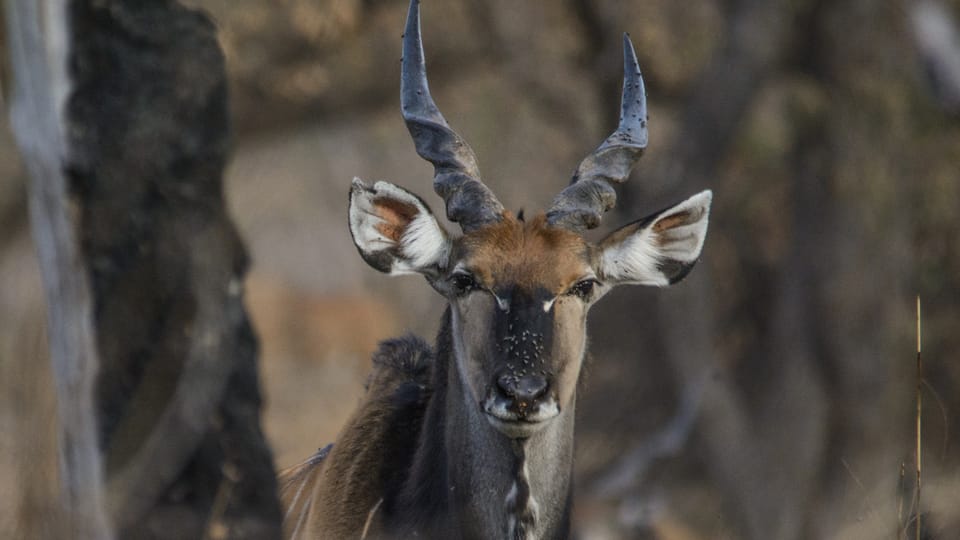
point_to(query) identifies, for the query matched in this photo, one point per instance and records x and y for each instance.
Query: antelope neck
(491, 486)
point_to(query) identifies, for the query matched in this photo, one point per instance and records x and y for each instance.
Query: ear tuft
(660, 249)
(394, 230)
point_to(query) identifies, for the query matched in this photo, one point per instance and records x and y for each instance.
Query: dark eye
(583, 289)
(463, 283)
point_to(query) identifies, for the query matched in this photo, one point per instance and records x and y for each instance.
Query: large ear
(395, 231)
(659, 249)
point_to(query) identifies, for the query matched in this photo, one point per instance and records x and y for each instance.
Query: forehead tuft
(531, 254)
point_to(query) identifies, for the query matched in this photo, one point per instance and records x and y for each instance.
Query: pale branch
(938, 43)
(38, 39)
(629, 471)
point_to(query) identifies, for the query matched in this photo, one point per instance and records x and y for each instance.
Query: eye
(582, 289)
(463, 284)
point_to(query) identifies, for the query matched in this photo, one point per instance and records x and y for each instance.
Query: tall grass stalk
(919, 448)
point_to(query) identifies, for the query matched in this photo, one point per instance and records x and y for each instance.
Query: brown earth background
(770, 395)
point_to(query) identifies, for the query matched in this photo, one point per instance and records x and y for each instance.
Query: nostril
(531, 387)
(526, 389)
(507, 384)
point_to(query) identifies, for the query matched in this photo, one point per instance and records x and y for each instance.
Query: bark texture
(144, 273)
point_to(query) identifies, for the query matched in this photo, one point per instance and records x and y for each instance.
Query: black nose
(523, 391)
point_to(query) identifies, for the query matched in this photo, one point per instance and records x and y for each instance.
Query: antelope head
(519, 290)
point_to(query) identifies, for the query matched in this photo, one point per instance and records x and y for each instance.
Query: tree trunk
(120, 108)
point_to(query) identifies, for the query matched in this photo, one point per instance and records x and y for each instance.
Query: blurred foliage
(836, 186)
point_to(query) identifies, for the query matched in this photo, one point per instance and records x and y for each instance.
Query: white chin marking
(515, 430)
(509, 424)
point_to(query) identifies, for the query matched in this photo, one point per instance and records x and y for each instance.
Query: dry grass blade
(901, 488)
(943, 415)
(919, 448)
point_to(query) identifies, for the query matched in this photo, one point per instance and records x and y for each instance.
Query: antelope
(473, 438)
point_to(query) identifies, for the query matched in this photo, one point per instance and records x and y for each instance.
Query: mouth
(515, 425)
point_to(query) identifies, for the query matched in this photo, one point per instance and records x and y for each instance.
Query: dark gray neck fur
(470, 481)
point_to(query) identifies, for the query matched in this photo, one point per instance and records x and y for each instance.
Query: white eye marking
(548, 304)
(504, 305)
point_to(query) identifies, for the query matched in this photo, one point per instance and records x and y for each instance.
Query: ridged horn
(581, 205)
(456, 177)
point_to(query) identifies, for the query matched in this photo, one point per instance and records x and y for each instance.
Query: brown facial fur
(532, 257)
(529, 255)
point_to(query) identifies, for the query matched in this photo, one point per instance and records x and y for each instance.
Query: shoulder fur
(373, 451)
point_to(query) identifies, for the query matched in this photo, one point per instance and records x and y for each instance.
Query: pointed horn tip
(413, 19)
(414, 9)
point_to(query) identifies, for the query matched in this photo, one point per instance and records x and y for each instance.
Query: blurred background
(769, 395)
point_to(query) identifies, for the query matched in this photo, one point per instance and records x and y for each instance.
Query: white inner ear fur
(364, 220)
(637, 258)
(423, 242)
